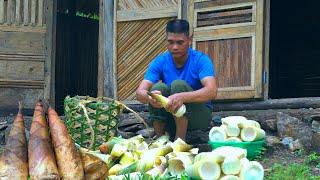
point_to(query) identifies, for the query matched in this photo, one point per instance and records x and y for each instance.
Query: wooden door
(140, 37)
(25, 51)
(231, 33)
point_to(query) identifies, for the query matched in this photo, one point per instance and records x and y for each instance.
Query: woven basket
(91, 121)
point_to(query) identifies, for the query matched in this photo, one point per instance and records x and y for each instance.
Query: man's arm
(205, 94)
(142, 90)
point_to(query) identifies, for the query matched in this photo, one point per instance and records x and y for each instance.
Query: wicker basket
(91, 121)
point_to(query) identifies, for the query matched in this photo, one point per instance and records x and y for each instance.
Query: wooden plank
(33, 12)
(184, 9)
(259, 48)
(22, 70)
(21, 42)
(232, 32)
(25, 12)
(36, 29)
(101, 47)
(132, 15)
(10, 97)
(234, 95)
(208, 4)
(266, 49)
(107, 48)
(50, 11)
(9, 12)
(22, 57)
(40, 12)
(2, 11)
(18, 14)
(21, 84)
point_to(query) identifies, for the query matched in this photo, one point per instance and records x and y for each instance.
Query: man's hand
(154, 103)
(175, 102)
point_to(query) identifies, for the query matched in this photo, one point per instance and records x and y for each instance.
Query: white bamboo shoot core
(233, 130)
(246, 123)
(252, 171)
(252, 134)
(204, 169)
(231, 166)
(217, 134)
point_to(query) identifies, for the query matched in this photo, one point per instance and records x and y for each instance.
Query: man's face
(178, 44)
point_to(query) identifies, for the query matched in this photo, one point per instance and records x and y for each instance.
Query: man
(185, 76)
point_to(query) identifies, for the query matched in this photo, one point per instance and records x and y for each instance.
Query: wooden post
(40, 13)
(18, 15)
(25, 12)
(184, 9)
(33, 12)
(266, 48)
(106, 71)
(50, 12)
(1, 11)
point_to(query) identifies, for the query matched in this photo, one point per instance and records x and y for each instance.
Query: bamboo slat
(40, 14)
(1, 11)
(142, 4)
(9, 12)
(138, 43)
(33, 11)
(25, 12)
(18, 14)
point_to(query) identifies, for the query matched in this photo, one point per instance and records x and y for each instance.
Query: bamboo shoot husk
(250, 134)
(42, 161)
(68, 158)
(94, 167)
(14, 158)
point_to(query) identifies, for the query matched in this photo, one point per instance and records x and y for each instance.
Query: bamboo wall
(140, 38)
(23, 52)
(22, 12)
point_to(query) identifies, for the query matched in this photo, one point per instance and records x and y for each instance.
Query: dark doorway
(76, 50)
(294, 49)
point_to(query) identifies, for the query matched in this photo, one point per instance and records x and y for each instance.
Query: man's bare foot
(159, 127)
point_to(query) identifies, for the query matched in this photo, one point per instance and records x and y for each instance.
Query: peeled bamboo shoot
(252, 171)
(217, 134)
(164, 102)
(252, 134)
(204, 169)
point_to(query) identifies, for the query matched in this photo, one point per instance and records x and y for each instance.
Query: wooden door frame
(50, 50)
(107, 49)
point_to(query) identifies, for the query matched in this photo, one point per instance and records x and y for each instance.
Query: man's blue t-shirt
(197, 67)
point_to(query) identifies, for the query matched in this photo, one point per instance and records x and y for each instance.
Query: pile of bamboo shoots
(236, 129)
(49, 154)
(225, 163)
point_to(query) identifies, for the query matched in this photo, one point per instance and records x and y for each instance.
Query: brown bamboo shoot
(14, 159)
(68, 158)
(42, 162)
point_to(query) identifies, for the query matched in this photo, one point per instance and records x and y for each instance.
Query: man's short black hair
(178, 26)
